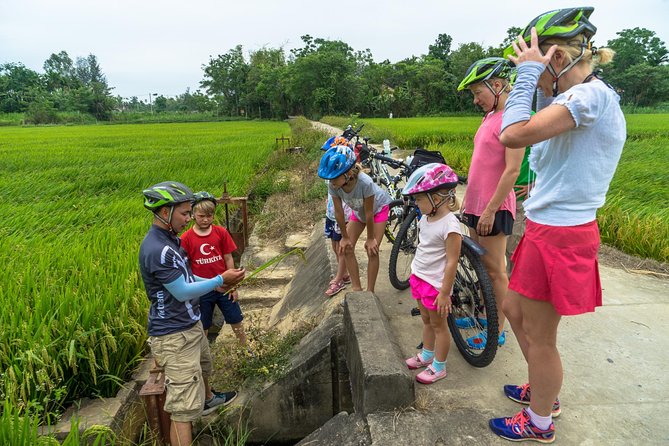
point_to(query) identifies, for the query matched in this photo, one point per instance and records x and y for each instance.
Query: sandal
(334, 288)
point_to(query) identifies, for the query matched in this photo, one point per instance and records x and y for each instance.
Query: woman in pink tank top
(490, 203)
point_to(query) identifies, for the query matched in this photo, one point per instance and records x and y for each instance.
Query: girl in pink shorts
(369, 205)
(434, 265)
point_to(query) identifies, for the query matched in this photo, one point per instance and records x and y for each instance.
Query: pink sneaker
(430, 375)
(416, 362)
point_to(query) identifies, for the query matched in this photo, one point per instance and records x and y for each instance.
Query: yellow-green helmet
(561, 23)
(485, 69)
(167, 193)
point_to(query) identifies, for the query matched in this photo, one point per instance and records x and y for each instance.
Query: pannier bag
(422, 157)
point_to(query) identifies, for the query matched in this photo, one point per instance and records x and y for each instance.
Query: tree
(639, 69)
(225, 78)
(59, 71)
(442, 48)
(265, 92)
(322, 78)
(18, 87)
(638, 45)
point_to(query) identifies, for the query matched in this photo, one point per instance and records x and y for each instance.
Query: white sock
(542, 423)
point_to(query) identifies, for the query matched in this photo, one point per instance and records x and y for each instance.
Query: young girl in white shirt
(435, 263)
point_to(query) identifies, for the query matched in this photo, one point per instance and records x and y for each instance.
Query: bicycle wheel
(395, 218)
(474, 300)
(403, 251)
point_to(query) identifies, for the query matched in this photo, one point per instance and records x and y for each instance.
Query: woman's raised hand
(530, 53)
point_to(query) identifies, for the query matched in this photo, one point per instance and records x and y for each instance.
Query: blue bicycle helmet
(335, 141)
(335, 162)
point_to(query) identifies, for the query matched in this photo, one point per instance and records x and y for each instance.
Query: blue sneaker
(520, 428)
(521, 394)
(219, 399)
(478, 342)
(468, 322)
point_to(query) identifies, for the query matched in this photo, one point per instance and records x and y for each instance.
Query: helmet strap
(496, 94)
(436, 207)
(167, 222)
(557, 76)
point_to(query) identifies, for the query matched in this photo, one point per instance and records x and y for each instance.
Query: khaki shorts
(186, 359)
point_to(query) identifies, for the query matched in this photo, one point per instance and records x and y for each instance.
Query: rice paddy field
(72, 305)
(635, 218)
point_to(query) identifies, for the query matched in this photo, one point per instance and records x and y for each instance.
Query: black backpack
(422, 157)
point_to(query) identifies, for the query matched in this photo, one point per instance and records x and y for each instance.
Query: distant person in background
(176, 337)
(577, 137)
(370, 208)
(209, 248)
(434, 265)
(524, 183)
(490, 204)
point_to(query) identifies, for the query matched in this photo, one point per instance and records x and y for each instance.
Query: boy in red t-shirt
(209, 248)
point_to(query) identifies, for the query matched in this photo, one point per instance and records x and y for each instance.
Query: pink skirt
(558, 264)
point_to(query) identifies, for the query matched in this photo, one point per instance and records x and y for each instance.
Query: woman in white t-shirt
(577, 136)
(435, 263)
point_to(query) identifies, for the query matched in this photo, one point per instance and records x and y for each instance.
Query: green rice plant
(74, 308)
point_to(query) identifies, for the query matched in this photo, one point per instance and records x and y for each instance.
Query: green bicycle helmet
(167, 193)
(559, 23)
(562, 24)
(204, 195)
(484, 69)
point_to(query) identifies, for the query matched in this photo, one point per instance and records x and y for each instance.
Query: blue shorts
(332, 230)
(232, 312)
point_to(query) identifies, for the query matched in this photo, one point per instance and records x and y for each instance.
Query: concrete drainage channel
(343, 371)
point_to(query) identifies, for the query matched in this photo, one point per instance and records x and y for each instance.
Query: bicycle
(473, 296)
(379, 173)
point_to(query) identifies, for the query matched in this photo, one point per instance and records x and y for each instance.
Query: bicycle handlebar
(390, 161)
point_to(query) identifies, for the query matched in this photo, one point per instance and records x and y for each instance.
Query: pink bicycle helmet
(430, 177)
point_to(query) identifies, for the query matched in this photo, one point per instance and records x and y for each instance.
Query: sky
(159, 47)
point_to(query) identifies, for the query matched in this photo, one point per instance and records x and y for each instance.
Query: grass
(71, 221)
(635, 218)
(270, 357)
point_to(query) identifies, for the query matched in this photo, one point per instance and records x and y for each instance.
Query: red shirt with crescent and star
(206, 252)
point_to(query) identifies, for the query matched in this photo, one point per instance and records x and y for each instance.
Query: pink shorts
(379, 217)
(424, 292)
(558, 264)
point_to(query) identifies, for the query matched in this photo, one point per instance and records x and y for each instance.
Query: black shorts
(503, 222)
